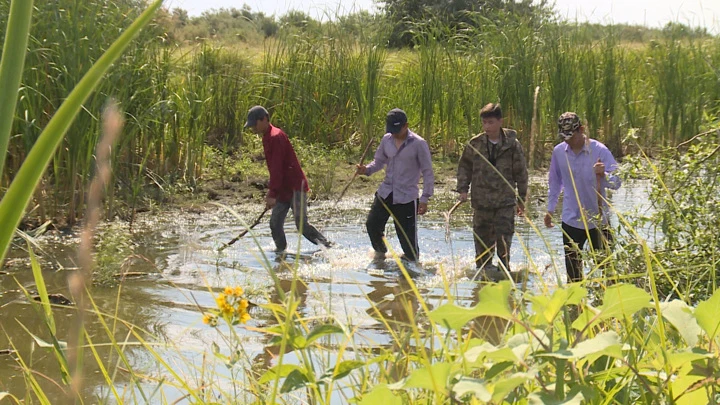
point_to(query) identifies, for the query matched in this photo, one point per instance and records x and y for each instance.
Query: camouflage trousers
(493, 230)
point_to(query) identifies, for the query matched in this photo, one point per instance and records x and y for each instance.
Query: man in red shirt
(288, 185)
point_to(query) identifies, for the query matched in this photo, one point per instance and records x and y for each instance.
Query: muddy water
(183, 265)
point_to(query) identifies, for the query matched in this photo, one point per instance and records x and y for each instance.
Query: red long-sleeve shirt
(286, 175)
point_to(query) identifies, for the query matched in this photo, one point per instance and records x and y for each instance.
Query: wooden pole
(362, 158)
(243, 233)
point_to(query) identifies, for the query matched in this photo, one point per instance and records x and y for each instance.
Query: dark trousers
(574, 241)
(299, 208)
(405, 219)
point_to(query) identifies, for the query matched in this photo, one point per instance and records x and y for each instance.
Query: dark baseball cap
(395, 120)
(567, 124)
(254, 114)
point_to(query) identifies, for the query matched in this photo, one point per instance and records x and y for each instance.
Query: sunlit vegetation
(642, 330)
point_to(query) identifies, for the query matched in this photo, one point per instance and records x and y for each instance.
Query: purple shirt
(404, 166)
(580, 196)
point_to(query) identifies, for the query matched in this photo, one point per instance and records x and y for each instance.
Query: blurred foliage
(683, 221)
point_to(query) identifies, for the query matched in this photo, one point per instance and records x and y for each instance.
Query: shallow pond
(185, 269)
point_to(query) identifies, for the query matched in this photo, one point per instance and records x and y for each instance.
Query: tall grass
(14, 201)
(332, 86)
(582, 343)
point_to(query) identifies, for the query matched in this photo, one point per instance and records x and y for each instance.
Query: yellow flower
(245, 317)
(221, 300)
(243, 304)
(229, 291)
(238, 291)
(209, 319)
(226, 309)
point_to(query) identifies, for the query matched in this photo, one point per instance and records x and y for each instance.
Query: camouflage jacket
(489, 189)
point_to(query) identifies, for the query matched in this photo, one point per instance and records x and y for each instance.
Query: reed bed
(330, 86)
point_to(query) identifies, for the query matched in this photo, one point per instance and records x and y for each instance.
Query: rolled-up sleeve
(611, 180)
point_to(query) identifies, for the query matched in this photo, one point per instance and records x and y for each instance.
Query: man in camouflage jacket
(494, 164)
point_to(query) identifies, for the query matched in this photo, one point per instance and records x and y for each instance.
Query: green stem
(18, 194)
(11, 68)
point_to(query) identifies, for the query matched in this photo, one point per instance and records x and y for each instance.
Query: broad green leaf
(453, 316)
(498, 368)
(471, 355)
(13, 203)
(472, 386)
(381, 395)
(433, 378)
(323, 330)
(547, 309)
(575, 294)
(343, 369)
(277, 372)
(493, 301)
(505, 386)
(585, 317)
(547, 399)
(606, 342)
(524, 343)
(680, 315)
(707, 317)
(680, 385)
(296, 379)
(487, 351)
(540, 304)
(678, 359)
(623, 301)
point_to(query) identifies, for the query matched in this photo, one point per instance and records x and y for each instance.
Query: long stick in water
(243, 233)
(362, 158)
(447, 219)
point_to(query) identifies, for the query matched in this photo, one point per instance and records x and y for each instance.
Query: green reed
(328, 85)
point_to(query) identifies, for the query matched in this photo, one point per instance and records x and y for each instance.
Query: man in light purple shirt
(407, 156)
(583, 168)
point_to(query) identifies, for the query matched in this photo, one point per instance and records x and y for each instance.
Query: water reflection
(395, 306)
(294, 289)
(341, 282)
(488, 328)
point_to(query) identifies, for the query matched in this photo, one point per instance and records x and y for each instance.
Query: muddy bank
(324, 186)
